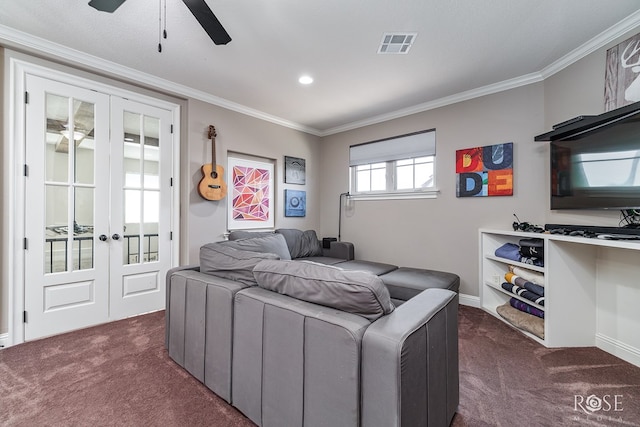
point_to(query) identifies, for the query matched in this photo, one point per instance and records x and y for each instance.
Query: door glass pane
(150, 225)
(151, 152)
(132, 170)
(56, 144)
(151, 177)
(131, 140)
(84, 124)
(56, 228)
(132, 212)
(83, 229)
(141, 170)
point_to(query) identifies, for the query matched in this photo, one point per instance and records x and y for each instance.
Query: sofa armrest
(342, 250)
(410, 363)
(194, 267)
(199, 314)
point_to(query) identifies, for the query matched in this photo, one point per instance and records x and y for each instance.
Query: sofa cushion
(405, 282)
(323, 260)
(268, 243)
(377, 268)
(357, 292)
(244, 234)
(301, 244)
(230, 263)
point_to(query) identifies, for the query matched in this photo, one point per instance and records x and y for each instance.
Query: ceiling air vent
(396, 43)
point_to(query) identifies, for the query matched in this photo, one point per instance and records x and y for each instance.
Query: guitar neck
(212, 136)
(213, 152)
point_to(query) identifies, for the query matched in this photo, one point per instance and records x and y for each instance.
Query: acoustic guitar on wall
(212, 186)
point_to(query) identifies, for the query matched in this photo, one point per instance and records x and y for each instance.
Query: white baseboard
(4, 340)
(469, 300)
(619, 349)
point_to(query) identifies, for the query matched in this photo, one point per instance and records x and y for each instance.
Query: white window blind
(418, 144)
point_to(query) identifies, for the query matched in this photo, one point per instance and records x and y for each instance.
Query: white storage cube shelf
(590, 288)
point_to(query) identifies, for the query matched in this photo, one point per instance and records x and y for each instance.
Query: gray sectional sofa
(317, 339)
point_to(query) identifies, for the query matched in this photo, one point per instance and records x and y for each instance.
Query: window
(398, 166)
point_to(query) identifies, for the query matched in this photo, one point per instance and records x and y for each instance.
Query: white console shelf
(592, 289)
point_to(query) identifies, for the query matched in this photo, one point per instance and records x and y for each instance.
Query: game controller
(525, 226)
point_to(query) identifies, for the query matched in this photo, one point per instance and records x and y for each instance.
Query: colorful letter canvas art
(485, 171)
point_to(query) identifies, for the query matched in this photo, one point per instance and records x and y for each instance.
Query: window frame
(391, 167)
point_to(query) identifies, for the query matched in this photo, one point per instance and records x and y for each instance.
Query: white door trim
(17, 69)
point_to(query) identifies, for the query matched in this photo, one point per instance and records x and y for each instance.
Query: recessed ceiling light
(305, 80)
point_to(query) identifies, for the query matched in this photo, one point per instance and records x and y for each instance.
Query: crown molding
(35, 45)
(441, 102)
(612, 33)
(24, 41)
(601, 40)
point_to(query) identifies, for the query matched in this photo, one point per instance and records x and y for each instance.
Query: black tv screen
(599, 168)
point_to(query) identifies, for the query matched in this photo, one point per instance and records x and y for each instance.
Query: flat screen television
(598, 168)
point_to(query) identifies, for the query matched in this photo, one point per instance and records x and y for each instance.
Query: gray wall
(442, 233)
(205, 221)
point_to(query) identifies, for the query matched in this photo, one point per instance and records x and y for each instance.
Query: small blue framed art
(295, 203)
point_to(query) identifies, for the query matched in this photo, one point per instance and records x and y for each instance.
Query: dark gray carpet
(116, 374)
(119, 374)
(507, 379)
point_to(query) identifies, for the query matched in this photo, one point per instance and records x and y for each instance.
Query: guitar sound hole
(214, 175)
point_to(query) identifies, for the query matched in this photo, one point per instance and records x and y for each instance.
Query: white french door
(97, 207)
(140, 246)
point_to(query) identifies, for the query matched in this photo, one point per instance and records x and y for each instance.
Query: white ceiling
(463, 48)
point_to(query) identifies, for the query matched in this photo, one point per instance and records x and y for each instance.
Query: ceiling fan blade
(106, 5)
(208, 20)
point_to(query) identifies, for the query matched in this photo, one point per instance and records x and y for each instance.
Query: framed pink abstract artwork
(251, 202)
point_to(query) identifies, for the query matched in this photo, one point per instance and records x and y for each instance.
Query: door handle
(116, 236)
(103, 238)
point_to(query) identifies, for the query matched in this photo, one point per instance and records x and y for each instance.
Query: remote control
(618, 237)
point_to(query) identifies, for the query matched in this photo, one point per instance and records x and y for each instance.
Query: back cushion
(268, 243)
(230, 263)
(243, 234)
(356, 292)
(301, 244)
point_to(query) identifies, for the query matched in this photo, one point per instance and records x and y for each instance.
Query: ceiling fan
(199, 8)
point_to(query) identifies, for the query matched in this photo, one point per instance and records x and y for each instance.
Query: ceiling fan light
(77, 135)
